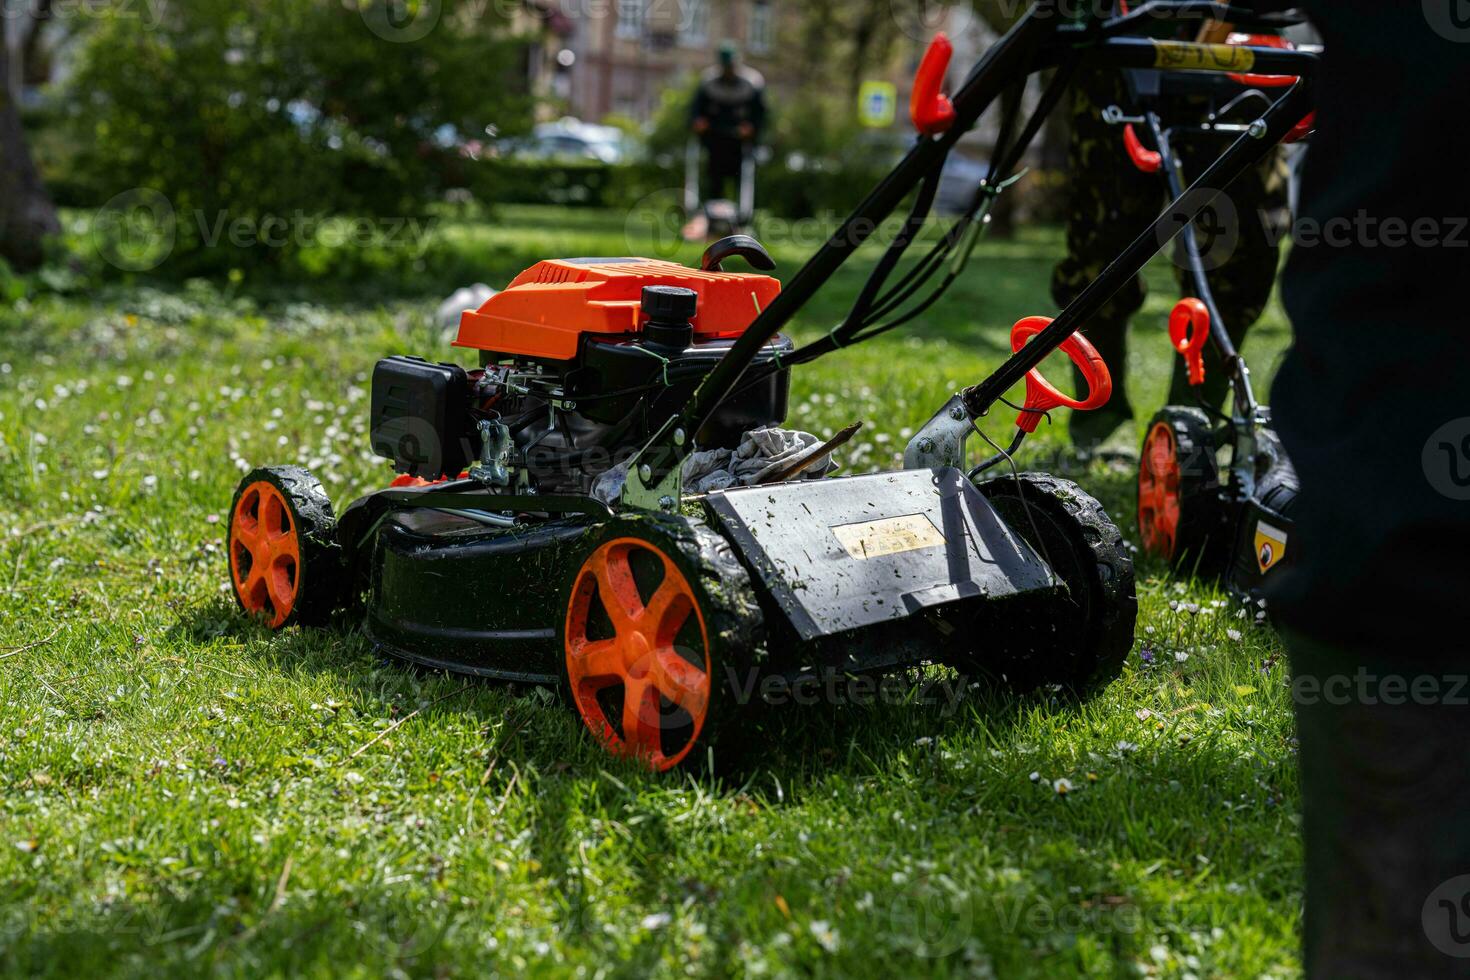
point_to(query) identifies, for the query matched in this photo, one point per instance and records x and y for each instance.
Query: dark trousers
(1373, 405)
(725, 155)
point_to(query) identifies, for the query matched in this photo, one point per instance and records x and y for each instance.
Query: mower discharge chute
(662, 612)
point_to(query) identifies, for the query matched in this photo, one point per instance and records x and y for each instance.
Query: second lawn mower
(508, 548)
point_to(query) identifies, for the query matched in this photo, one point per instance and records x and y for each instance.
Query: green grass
(182, 792)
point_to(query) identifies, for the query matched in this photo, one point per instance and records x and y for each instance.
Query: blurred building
(619, 56)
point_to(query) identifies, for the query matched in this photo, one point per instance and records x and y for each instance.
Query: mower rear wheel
(1178, 492)
(285, 561)
(1084, 648)
(660, 635)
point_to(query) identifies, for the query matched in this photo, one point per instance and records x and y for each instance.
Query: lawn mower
(1234, 524)
(662, 613)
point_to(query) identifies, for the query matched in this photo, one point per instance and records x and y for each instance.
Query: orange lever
(1189, 329)
(931, 110)
(1149, 161)
(1041, 395)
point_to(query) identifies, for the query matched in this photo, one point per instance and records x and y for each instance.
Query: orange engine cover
(547, 309)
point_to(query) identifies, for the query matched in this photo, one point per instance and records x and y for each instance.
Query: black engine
(565, 423)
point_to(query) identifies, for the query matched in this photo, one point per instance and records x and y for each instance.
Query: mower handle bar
(1035, 43)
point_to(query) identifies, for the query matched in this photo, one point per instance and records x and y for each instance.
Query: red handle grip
(1262, 41)
(1189, 329)
(931, 110)
(1149, 161)
(1041, 395)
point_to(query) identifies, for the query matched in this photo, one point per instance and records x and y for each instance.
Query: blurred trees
(27, 216)
(252, 120)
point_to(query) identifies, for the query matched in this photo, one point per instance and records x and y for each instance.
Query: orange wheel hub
(1158, 492)
(634, 649)
(265, 554)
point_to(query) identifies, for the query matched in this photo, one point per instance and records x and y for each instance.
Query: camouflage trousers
(1111, 202)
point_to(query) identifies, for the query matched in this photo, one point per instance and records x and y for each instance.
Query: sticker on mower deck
(890, 536)
(1183, 56)
(1270, 545)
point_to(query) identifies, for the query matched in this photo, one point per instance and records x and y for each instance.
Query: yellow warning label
(889, 536)
(1270, 545)
(1184, 56)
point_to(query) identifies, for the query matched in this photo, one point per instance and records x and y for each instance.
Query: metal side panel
(845, 553)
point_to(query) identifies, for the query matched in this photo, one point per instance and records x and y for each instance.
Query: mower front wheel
(1083, 647)
(661, 636)
(285, 561)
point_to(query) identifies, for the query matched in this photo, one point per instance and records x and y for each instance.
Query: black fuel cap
(670, 304)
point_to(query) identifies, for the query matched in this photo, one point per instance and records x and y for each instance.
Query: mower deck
(855, 561)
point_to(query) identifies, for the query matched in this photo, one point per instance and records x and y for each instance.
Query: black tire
(313, 575)
(1083, 647)
(732, 638)
(1180, 513)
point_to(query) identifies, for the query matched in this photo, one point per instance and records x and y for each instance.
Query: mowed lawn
(184, 793)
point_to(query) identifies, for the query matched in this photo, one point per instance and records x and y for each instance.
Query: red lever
(930, 108)
(1300, 131)
(1041, 395)
(1149, 161)
(1262, 41)
(1189, 329)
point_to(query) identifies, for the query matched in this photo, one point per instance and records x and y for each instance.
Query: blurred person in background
(728, 116)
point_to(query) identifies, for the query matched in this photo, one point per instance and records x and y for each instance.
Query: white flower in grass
(1181, 656)
(656, 920)
(1233, 634)
(1062, 786)
(825, 935)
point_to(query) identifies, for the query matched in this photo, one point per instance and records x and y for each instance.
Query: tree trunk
(27, 216)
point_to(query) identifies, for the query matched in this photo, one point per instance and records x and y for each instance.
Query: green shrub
(245, 124)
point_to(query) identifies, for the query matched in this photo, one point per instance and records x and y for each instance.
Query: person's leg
(1109, 203)
(724, 166)
(1371, 405)
(1386, 799)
